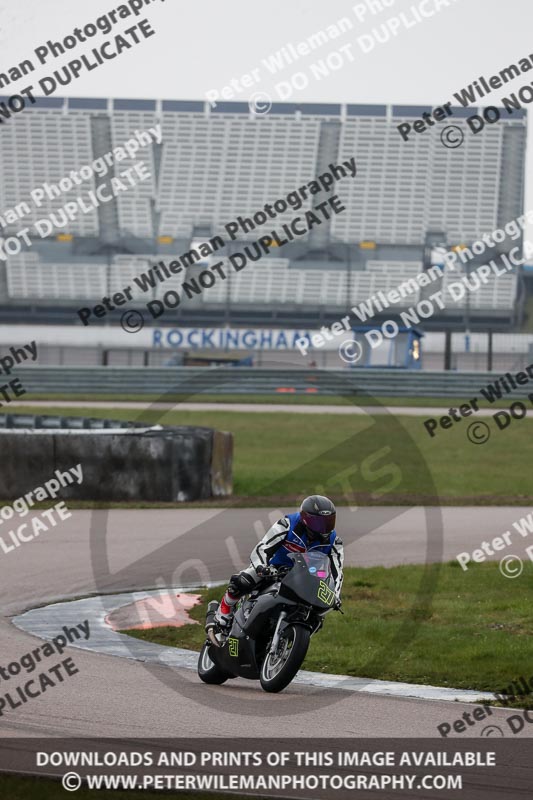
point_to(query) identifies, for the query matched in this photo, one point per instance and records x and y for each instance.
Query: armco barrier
(191, 381)
(170, 464)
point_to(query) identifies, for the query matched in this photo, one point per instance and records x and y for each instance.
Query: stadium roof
(239, 107)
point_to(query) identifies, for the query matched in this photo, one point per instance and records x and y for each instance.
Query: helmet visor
(321, 524)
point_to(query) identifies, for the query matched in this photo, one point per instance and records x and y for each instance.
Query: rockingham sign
(227, 338)
(178, 338)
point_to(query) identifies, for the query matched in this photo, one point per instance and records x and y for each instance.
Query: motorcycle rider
(312, 527)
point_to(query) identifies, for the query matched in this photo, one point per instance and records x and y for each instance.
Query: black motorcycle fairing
(242, 650)
(237, 655)
(317, 592)
(262, 610)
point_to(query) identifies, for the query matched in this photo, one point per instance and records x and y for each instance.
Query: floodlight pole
(348, 276)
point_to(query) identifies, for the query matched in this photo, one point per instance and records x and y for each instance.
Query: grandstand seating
(217, 168)
(43, 147)
(124, 270)
(404, 188)
(217, 164)
(275, 282)
(27, 277)
(134, 209)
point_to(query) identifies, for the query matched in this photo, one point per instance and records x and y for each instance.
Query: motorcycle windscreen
(310, 578)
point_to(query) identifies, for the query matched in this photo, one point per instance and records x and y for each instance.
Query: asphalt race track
(142, 549)
(258, 408)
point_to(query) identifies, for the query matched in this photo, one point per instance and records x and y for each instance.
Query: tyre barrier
(73, 423)
(120, 461)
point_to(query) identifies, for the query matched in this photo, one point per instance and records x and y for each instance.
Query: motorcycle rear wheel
(208, 671)
(278, 671)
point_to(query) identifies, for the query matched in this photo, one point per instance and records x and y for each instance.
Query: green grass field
(388, 460)
(473, 631)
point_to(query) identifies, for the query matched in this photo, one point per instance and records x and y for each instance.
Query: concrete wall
(164, 464)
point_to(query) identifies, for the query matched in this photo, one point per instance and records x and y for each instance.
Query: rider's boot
(225, 611)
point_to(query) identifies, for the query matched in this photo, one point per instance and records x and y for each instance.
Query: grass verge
(477, 634)
(281, 456)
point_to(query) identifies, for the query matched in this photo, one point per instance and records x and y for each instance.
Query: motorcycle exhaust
(210, 624)
(212, 638)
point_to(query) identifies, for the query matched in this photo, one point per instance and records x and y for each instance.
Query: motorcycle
(272, 626)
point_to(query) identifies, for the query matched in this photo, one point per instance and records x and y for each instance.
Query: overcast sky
(202, 45)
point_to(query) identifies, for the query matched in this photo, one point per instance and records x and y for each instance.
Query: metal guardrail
(190, 381)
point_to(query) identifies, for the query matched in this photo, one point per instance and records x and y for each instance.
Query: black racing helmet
(319, 515)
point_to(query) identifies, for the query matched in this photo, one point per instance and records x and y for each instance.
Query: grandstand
(216, 164)
(277, 283)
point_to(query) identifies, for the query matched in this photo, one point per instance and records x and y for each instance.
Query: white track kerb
(43, 622)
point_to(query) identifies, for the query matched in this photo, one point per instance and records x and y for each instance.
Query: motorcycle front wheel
(208, 671)
(278, 670)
